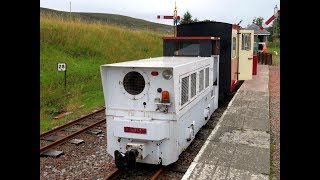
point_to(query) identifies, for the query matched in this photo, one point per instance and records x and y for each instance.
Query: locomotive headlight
(167, 74)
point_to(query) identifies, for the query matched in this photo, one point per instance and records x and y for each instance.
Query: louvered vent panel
(207, 78)
(201, 78)
(185, 90)
(193, 84)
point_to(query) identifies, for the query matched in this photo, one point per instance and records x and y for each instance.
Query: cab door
(245, 39)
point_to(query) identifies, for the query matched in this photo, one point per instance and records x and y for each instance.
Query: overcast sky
(230, 11)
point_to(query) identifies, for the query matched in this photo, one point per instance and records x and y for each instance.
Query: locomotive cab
(235, 51)
(192, 47)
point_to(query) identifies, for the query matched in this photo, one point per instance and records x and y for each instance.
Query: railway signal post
(276, 15)
(175, 18)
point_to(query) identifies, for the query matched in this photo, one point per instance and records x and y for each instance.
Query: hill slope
(120, 20)
(84, 47)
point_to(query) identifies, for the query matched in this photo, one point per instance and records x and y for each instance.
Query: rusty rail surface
(158, 175)
(114, 174)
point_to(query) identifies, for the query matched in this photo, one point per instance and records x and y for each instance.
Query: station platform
(239, 145)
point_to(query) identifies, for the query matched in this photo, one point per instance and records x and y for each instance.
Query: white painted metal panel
(118, 100)
(156, 130)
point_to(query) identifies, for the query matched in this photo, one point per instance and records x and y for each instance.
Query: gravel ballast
(274, 88)
(89, 160)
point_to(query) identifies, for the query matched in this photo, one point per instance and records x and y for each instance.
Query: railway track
(63, 133)
(113, 175)
(157, 174)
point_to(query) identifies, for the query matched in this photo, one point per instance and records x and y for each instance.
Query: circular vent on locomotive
(134, 83)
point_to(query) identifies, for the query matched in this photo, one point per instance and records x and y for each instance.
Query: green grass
(84, 47)
(274, 47)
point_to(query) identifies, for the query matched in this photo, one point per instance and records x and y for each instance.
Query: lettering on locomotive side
(135, 130)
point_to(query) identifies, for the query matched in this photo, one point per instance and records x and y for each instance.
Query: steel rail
(158, 175)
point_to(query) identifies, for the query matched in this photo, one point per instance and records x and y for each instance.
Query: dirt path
(274, 88)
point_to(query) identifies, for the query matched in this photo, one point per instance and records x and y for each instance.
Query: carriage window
(201, 78)
(185, 90)
(234, 45)
(193, 84)
(246, 41)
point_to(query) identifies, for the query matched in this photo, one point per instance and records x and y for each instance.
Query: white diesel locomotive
(155, 106)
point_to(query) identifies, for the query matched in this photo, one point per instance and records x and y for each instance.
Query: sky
(229, 11)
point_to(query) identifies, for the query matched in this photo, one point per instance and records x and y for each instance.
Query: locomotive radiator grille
(201, 78)
(193, 84)
(133, 83)
(185, 90)
(207, 78)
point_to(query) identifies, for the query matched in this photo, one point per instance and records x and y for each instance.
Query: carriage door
(245, 64)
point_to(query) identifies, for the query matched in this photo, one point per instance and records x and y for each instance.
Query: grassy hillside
(119, 20)
(84, 47)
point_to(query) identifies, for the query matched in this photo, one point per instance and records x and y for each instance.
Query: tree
(187, 18)
(195, 20)
(258, 21)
